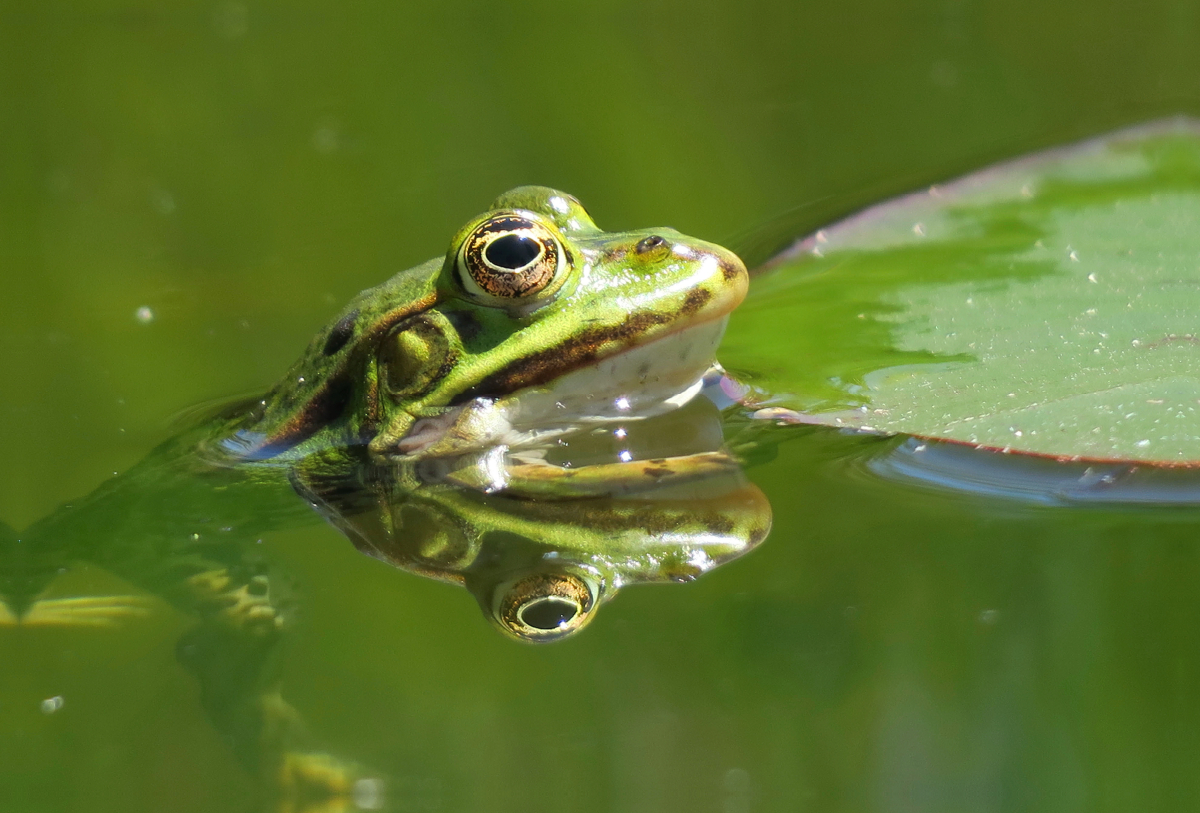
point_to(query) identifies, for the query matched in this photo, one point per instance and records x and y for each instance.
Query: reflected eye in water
(544, 606)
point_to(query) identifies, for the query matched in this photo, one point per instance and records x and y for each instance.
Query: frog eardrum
(510, 256)
(415, 352)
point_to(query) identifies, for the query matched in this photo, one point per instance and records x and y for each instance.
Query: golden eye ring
(511, 257)
(545, 606)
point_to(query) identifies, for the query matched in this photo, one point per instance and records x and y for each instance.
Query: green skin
(608, 298)
(398, 423)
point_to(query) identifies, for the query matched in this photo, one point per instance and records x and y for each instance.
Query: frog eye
(510, 256)
(544, 606)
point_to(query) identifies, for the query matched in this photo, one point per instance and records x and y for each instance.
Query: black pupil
(549, 613)
(512, 251)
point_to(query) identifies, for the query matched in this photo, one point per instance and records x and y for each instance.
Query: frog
(533, 323)
(472, 420)
(534, 320)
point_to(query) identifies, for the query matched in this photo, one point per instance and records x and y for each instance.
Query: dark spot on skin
(759, 534)
(329, 404)
(721, 525)
(649, 244)
(340, 333)
(465, 323)
(656, 471)
(326, 406)
(696, 299)
(729, 270)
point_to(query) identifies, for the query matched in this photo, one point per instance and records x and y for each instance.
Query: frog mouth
(640, 382)
(644, 380)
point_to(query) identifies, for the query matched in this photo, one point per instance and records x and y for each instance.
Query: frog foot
(244, 605)
(79, 611)
(320, 783)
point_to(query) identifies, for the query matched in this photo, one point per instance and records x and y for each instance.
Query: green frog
(534, 321)
(461, 370)
(518, 417)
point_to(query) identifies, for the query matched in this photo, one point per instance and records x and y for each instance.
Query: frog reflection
(540, 564)
(475, 419)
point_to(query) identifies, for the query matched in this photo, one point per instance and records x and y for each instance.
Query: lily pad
(1048, 305)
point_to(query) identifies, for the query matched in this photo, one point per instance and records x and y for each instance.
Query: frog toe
(243, 605)
(313, 782)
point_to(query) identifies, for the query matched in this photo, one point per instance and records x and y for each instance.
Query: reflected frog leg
(234, 664)
(78, 611)
(320, 783)
(26, 572)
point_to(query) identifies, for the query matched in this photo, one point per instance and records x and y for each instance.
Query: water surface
(188, 190)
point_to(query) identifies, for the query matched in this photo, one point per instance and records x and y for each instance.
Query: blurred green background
(242, 169)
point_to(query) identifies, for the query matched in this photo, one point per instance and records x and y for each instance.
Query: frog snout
(731, 265)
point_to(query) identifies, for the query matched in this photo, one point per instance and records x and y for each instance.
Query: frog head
(535, 317)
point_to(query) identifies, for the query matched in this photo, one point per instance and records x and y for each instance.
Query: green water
(241, 170)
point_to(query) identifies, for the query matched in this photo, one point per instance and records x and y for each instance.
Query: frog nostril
(649, 243)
